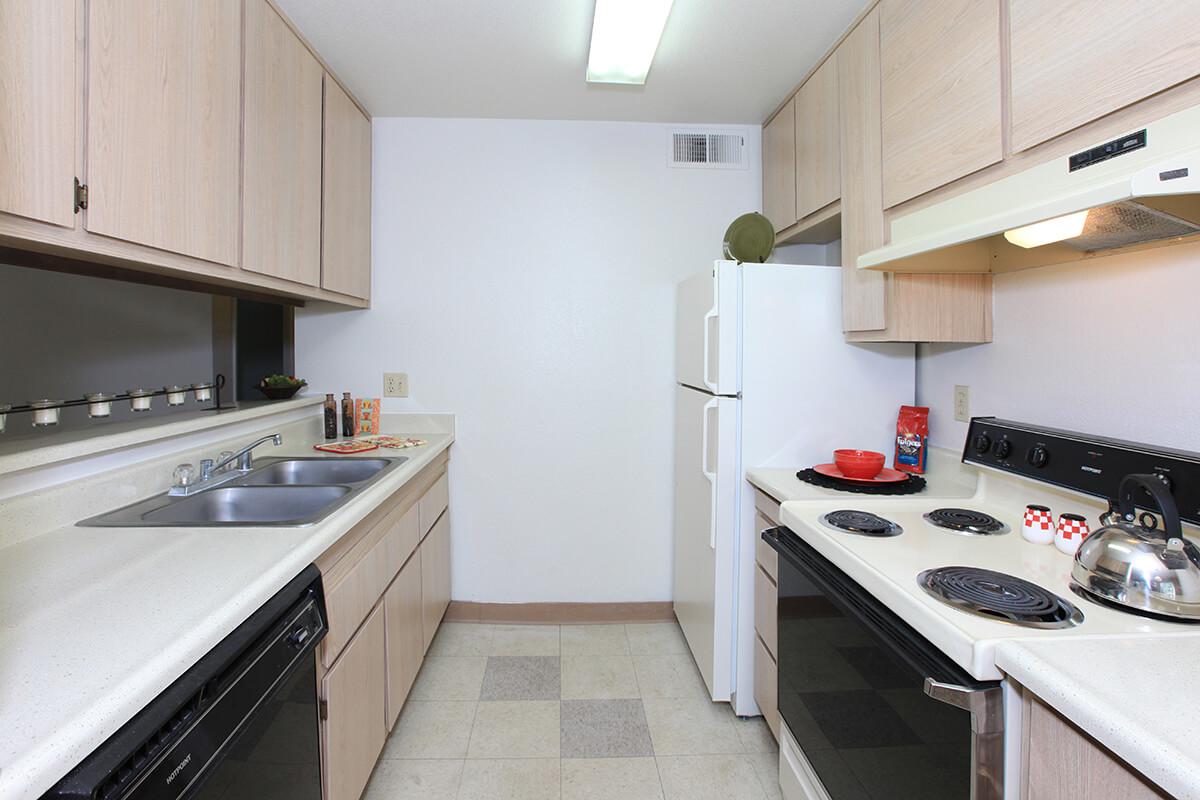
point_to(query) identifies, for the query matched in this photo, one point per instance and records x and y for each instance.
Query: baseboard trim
(559, 613)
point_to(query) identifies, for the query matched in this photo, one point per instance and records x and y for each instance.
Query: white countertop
(95, 622)
(1134, 696)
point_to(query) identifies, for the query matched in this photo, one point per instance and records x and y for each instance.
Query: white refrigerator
(764, 378)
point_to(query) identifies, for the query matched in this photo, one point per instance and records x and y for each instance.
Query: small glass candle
(203, 391)
(175, 395)
(99, 404)
(45, 413)
(4, 409)
(140, 399)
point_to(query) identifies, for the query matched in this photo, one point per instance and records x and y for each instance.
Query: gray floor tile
(709, 778)
(604, 729)
(670, 675)
(521, 678)
(610, 779)
(755, 735)
(415, 779)
(449, 678)
(462, 639)
(690, 727)
(594, 640)
(511, 779)
(524, 640)
(520, 729)
(766, 766)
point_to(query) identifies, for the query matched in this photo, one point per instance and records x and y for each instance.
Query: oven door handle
(986, 707)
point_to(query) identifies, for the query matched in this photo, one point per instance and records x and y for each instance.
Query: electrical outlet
(395, 384)
(962, 403)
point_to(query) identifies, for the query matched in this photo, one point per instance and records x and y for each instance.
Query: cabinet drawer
(767, 506)
(765, 597)
(764, 554)
(434, 502)
(351, 599)
(766, 686)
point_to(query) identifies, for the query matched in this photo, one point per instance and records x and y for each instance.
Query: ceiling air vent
(707, 150)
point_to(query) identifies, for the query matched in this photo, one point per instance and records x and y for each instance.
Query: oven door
(876, 710)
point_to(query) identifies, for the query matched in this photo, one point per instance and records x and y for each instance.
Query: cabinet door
(346, 213)
(405, 639)
(818, 171)
(1074, 61)
(435, 578)
(766, 686)
(940, 62)
(355, 727)
(779, 167)
(281, 183)
(164, 124)
(864, 292)
(37, 114)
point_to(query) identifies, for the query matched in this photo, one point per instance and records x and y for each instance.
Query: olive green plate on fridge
(750, 238)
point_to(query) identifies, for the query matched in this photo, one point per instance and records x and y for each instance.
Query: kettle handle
(1157, 487)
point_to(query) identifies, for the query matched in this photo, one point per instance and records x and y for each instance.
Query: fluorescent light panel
(1047, 231)
(625, 34)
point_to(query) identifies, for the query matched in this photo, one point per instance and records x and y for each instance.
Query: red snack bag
(912, 439)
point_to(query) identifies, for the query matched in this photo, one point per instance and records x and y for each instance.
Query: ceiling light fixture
(625, 34)
(1047, 231)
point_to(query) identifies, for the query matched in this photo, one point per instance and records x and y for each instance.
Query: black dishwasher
(241, 723)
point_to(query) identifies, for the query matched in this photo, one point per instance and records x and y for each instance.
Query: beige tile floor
(572, 712)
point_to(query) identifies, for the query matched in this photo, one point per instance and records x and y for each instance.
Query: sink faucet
(245, 461)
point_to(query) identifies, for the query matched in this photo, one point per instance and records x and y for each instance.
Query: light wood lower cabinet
(354, 730)
(766, 686)
(405, 635)
(1063, 763)
(766, 618)
(435, 577)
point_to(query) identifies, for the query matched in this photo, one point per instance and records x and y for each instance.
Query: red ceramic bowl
(862, 464)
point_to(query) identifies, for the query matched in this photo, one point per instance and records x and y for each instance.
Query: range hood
(1139, 189)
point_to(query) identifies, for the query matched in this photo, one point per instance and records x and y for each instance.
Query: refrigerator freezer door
(705, 530)
(707, 327)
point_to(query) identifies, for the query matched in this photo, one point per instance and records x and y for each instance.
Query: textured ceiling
(717, 62)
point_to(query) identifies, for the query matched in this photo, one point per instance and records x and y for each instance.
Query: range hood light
(625, 34)
(1047, 231)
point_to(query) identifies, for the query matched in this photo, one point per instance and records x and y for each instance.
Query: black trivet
(912, 485)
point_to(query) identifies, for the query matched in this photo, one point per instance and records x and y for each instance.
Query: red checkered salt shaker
(1072, 530)
(1038, 525)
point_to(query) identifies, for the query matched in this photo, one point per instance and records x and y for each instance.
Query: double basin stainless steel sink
(277, 492)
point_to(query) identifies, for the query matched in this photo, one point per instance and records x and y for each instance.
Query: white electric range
(864, 642)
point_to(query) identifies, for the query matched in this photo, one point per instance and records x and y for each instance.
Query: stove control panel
(1082, 462)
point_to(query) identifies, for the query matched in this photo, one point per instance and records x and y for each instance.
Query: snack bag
(366, 415)
(912, 439)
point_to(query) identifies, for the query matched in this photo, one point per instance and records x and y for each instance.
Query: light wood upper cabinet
(435, 577)
(1074, 61)
(405, 639)
(355, 727)
(779, 167)
(346, 227)
(164, 124)
(940, 94)
(281, 217)
(37, 110)
(818, 169)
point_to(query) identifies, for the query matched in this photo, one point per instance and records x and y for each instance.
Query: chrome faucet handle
(224, 458)
(206, 469)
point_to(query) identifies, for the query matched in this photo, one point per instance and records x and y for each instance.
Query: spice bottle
(347, 415)
(330, 416)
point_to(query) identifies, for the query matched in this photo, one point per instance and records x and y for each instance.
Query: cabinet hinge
(323, 708)
(81, 193)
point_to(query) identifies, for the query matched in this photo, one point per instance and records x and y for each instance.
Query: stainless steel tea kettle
(1147, 570)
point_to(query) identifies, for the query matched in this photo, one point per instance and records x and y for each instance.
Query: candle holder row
(46, 413)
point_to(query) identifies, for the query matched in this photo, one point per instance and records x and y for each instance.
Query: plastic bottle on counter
(331, 426)
(347, 415)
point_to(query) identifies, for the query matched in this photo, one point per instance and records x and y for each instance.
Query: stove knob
(1039, 456)
(982, 443)
(1003, 448)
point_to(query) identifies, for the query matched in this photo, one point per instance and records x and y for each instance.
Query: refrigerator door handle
(710, 475)
(708, 319)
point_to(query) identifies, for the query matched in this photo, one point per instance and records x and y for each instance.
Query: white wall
(65, 335)
(524, 278)
(1110, 346)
